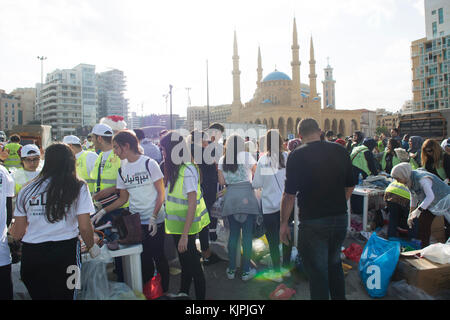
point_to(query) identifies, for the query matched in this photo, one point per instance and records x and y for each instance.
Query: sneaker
(273, 276)
(231, 274)
(249, 274)
(213, 258)
(179, 295)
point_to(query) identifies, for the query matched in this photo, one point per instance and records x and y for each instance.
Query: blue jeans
(320, 241)
(247, 241)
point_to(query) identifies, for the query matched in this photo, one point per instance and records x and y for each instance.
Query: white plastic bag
(437, 252)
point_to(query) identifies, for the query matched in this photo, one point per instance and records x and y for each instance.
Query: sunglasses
(31, 159)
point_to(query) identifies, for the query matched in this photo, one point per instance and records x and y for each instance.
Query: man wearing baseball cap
(30, 157)
(104, 174)
(85, 160)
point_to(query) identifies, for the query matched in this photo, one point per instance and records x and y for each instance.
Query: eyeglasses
(31, 159)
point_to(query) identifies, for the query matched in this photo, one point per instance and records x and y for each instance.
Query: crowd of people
(51, 199)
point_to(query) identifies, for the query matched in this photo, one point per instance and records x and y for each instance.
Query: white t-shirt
(271, 180)
(244, 171)
(6, 190)
(39, 229)
(90, 159)
(135, 178)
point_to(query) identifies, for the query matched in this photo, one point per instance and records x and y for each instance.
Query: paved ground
(218, 287)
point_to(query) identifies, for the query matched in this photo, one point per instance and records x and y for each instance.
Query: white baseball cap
(101, 129)
(71, 140)
(29, 150)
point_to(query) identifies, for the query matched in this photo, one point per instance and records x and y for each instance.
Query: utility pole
(207, 93)
(42, 58)
(170, 93)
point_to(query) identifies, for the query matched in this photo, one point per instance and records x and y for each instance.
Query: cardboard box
(438, 230)
(421, 273)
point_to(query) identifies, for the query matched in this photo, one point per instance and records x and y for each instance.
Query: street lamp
(170, 93)
(42, 58)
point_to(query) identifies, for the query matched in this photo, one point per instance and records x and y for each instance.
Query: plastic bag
(120, 291)
(438, 252)
(377, 264)
(154, 289)
(94, 281)
(282, 292)
(217, 208)
(442, 208)
(353, 252)
(404, 291)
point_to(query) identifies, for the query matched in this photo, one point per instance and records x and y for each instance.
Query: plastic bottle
(360, 179)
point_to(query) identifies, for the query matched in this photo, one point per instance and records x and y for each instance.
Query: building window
(433, 12)
(441, 16)
(434, 29)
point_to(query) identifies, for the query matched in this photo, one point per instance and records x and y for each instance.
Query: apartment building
(431, 59)
(11, 112)
(27, 98)
(111, 87)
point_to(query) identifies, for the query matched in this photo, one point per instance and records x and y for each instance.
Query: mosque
(281, 102)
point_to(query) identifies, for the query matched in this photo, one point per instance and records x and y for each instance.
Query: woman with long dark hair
(389, 158)
(270, 176)
(236, 169)
(50, 213)
(415, 150)
(186, 213)
(141, 182)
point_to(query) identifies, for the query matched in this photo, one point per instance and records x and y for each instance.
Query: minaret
(329, 98)
(295, 66)
(260, 69)
(312, 73)
(236, 75)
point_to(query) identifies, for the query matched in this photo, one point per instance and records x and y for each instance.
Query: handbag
(128, 227)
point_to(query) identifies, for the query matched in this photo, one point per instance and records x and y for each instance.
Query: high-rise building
(60, 102)
(437, 18)
(431, 59)
(89, 101)
(111, 88)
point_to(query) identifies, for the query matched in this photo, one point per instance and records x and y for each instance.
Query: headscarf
(403, 171)
(360, 136)
(401, 154)
(416, 144)
(294, 143)
(370, 143)
(417, 148)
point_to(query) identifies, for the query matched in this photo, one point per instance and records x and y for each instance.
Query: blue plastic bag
(377, 264)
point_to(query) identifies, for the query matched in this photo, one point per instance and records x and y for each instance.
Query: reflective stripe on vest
(109, 173)
(82, 171)
(177, 208)
(359, 160)
(13, 159)
(399, 189)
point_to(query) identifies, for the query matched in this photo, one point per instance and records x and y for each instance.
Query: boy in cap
(85, 160)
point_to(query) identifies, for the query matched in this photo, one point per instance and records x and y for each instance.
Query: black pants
(272, 226)
(44, 268)
(191, 268)
(6, 286)
(153, 253)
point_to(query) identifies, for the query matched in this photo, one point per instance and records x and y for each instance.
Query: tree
(381, 130)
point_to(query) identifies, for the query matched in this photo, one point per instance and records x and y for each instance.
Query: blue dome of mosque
(276, 75)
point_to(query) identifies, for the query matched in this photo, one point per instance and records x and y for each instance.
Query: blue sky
(157, 43)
